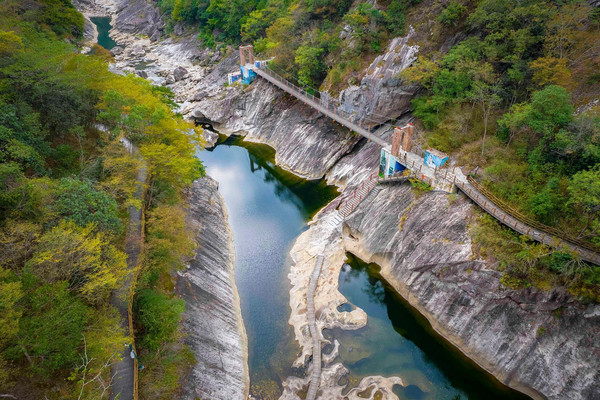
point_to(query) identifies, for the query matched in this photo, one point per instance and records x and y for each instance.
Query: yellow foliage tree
(551, 71)
(92, 266)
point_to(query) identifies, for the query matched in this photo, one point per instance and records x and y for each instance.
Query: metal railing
(515, 220)
(359, 194)
(347, 119)
(490, 203)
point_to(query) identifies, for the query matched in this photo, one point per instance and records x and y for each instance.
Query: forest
(66, 184)
(513, 100)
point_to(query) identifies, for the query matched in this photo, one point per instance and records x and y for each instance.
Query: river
(268, 208)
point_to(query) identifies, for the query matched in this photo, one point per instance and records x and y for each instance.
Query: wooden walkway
(434, 177)
(314, 333)
(522, 224)
(125, 372)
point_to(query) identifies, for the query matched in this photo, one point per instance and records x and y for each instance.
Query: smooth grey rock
(138, 17)
(212, 320)
(381, 95)
(90, 32)
(306, 142)
(138, 51)
(424, 248)
(116, 50)
(178, 29)
(170, 79)
(142, 74)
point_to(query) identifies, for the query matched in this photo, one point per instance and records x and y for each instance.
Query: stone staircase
(364, 191)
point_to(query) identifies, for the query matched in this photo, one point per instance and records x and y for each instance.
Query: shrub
(159, 315)
(452, 14)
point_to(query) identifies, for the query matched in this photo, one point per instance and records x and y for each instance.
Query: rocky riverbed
(421, 241)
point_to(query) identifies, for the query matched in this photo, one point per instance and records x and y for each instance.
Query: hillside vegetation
(516, 101)
(513, 96)
(66, 182)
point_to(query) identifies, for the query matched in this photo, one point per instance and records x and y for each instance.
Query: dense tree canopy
(66, 183)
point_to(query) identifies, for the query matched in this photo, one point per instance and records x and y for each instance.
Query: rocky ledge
(545, 344)
(212, 320)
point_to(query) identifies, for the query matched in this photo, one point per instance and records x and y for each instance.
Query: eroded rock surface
(382, 95)
(307, 143)
(212, 320)
(422, 244)
(545, 344)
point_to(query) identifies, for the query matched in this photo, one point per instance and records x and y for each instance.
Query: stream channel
(268, 208)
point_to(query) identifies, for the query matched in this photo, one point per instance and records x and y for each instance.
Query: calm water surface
(399, 341)
(268, 208)
(103, 25)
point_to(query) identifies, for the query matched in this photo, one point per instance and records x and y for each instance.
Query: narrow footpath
(124, 385)
(314, 333)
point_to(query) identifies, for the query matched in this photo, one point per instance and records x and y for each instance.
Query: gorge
(421, 241)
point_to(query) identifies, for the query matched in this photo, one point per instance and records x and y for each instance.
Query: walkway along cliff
(434, 269)
(449, 180)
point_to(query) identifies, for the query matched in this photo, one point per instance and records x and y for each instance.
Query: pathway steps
(432, 176)
(314, 333)
(124, 383)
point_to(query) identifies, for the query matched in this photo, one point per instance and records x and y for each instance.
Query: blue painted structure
(389, 166)
(248, 75)
(434, 158)
(234, 77)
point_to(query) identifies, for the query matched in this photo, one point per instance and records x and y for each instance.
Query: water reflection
(399, 341)
(268, 208)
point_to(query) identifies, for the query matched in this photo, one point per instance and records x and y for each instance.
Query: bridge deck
(414, 162)
(526, 229)
(332, 112)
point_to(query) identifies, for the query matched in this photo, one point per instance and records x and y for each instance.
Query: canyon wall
(422, 243)
(212, 321)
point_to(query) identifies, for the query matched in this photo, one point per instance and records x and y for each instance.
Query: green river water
(268, 208)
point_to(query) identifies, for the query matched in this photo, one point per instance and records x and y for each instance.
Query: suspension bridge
(448, 179)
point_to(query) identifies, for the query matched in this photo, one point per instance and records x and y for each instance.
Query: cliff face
(381, 95)
(306, 142)
(543, 343)
(212, 320)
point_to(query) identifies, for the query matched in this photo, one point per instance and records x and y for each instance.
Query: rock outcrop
(212, 320)
(545, 344)
(423, 244)
(382, 95)
(307, 143)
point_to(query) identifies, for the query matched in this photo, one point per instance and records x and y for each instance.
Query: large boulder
(382, 95)
(180, 73)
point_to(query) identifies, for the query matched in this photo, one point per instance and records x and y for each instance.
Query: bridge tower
(247, 64)
(246, 55)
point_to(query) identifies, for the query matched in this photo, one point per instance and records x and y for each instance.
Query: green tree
(51, 329)
(90, 264)
(551, 109)
(310, 64)
(452, 14)
(79, 202)
(584, 191)
(10, 294)
(159, 314)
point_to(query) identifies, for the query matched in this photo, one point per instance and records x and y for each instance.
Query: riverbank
(212, 303)
(423, 244)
